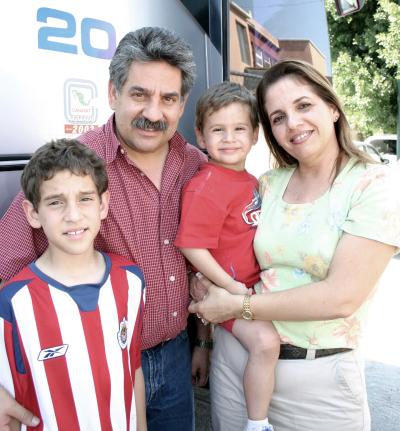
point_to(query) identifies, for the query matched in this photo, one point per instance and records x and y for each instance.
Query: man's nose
(152, 110)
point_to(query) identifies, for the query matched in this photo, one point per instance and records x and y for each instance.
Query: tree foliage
(366, 62)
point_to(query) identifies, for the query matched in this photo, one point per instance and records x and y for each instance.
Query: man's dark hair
(149, 44)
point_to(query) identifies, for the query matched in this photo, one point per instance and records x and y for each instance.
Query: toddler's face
(228, 136)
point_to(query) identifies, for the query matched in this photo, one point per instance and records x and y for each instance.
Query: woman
(328, 227)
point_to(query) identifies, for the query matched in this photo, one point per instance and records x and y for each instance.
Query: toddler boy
(220, 208)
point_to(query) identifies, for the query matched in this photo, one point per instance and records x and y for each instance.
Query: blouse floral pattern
(295, 243)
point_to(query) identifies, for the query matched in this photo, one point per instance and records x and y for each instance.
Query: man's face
(148, 107)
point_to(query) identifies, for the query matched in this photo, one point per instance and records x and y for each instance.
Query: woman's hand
(218, 305)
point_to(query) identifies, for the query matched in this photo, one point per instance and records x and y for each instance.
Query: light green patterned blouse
(295, 243)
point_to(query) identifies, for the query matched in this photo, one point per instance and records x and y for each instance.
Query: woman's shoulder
(271, 179)
(373, 176)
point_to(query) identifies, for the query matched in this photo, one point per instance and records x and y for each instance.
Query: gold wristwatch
(246, 310)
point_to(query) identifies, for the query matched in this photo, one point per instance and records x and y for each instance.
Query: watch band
(246, 310)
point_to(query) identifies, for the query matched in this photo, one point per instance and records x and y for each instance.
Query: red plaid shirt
(141, 225)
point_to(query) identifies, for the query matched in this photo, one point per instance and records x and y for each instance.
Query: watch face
(247, 315)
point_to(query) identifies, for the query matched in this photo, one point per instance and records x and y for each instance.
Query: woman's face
(301, 122)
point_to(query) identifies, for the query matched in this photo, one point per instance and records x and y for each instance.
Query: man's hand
(200, 365)
(201, 355)
(11, 412)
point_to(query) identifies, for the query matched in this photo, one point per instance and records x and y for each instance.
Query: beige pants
(324, 394)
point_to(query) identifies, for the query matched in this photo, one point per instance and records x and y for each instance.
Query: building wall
(236, 63)
(251, 45)
(253, 48)
(303, 50)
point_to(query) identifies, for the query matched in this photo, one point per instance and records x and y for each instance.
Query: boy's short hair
(222, 95)
(59, 155)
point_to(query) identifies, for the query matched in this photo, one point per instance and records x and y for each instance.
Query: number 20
(69, 31)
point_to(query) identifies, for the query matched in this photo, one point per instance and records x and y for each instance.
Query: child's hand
(237, 288)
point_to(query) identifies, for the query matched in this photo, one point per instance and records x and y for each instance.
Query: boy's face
(228, 136)
(70, 212)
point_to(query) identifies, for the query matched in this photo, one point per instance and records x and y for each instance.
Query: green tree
(365, 51)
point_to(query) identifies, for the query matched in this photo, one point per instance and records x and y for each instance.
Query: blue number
(45, 32)
(86, 26)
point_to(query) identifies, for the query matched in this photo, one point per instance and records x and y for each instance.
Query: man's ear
(112, 95)
(104, 204)
(31, 214)
(200, 138)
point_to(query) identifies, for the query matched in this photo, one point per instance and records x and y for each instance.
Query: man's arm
(20, 244)
(11, 412)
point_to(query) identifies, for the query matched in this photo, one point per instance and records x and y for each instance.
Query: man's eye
(138, 95)
(170, 100)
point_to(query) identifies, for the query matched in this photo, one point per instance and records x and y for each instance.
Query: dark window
(244, 43)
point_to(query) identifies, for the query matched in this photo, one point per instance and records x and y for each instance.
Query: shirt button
(122, 151)
(174, 313)
(172, 278)
(142, 174)
(166, 241)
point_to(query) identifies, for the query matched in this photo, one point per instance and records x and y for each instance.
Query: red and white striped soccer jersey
(69, 354)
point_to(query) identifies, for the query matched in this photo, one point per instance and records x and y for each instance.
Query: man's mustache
(145, 124)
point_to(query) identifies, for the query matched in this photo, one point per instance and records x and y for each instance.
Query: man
(148, 163)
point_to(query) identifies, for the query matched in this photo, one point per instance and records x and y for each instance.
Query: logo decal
(251, 212)
(53, 352)
(80, 103)
(123, 333)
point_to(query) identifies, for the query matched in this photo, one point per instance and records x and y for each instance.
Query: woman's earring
(335, 118)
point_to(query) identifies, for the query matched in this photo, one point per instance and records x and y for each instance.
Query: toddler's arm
(205, 263)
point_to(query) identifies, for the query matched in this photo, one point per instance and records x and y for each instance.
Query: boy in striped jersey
(70, 322)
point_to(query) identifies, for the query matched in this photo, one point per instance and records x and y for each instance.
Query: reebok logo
(53, 352)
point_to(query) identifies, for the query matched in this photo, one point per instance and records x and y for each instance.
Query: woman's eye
(278, 119)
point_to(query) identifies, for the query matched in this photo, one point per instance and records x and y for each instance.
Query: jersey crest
(123, 333)
(251, 212)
